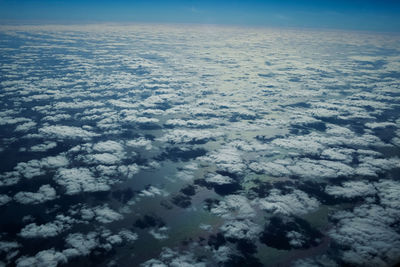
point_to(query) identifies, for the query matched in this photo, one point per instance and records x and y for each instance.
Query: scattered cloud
(45, 193)
(126, 125)
(77, 180)
(48, 257)
(295, 203)
(66, 132)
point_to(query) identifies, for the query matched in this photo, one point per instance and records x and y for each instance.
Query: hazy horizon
(345, 15)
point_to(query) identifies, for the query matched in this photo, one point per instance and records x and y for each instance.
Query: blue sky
(355, 15)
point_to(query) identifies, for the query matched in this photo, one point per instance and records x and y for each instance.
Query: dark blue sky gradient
(354, 15)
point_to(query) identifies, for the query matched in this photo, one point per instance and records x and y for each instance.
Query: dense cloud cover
(155, 145)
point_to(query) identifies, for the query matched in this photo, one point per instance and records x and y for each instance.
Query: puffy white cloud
(108, 146)
(226, 159)
(45, 230)
(304, 143)
(128, 235)
(250, 146)
(4, 199)
(103, 158)
(295, 203)
(210, 123)
(129, 170)
(113, 240)
(371, 166)
(205, 227)
(159, 233)
(320, 168)
(339, 131)
(105, 170)
(43, 147)
(77, 104)
(218, 179)
(9, 250)
(36, 167)
(122, 104)
(57, 117)
(185, 175)
(80, 244)
(102, 214)
(66, 132)
(9, 178)
(305, 168)
(366, 236)
(324, 113)
(351, 189)
(146, 120)
(169, 257)
(380, 125)
(152, 191)
(338, 154)
(240, 229)
(296, 239)
(7, 246)
(50, 229)
(30, 169)
(140, 142)
(11, 120)
(25, 126)
(234, 206)
(45, 193)
(55, 162)
(271, 168)
(178, 136)
(223, 254)
(152, 112)
(77, 180)
(44, 258)
(323, 260)
(389, 195)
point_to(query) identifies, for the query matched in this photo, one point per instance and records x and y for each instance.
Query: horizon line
(36, 22)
